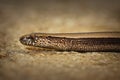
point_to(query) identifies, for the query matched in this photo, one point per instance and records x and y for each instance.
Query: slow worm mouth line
(84, 42)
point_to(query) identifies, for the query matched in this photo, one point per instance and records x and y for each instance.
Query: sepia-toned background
(20, 17)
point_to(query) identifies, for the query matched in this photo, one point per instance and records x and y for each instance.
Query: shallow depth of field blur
(20, 17)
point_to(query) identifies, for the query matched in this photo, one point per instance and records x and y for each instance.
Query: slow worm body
(84, 42)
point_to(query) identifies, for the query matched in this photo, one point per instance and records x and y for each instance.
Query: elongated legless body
(84, 42)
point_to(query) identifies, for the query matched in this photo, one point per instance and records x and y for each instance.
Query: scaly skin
(84, 42)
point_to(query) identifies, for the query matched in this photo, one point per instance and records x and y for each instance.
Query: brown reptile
(84, 42)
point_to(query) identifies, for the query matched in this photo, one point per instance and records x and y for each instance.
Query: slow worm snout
(94, 41)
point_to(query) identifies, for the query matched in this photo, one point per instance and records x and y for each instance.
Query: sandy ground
(23, 17)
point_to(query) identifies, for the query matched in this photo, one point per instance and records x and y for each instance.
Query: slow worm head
(94, 41)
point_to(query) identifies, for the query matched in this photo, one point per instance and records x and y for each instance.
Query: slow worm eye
(29, 37)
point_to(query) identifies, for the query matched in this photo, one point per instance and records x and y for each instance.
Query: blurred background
(60, 15)
(19, 17)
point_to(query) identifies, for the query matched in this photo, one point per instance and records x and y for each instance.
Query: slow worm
(84, 42)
